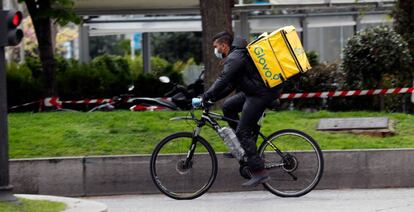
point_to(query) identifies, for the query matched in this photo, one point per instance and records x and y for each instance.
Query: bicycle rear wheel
(294, 161)
(177, 177)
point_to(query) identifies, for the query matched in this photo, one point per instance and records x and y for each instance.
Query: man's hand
(200, 102)
(197, 102)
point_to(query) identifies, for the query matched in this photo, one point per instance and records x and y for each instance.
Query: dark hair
(224, 37)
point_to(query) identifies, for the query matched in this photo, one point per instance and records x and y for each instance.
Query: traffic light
(10, 35)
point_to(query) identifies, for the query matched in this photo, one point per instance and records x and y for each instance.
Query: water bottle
(230, 139)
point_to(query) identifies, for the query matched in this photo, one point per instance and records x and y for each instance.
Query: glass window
(329, 41)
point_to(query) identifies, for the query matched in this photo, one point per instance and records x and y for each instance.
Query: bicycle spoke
(294, 162)
(293, 176)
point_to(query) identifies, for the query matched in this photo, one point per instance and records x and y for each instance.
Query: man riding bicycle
(251, 99)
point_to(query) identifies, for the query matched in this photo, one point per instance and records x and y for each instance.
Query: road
(356, 200)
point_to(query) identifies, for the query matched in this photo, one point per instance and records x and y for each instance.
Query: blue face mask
(218, 54)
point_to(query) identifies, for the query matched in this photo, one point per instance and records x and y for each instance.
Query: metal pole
(357, 26)
(242, 27)
(132, 46)
(84, 56)
(305, 32)
(146, 51)
(21, 48)
(5, 187)
(245, 27)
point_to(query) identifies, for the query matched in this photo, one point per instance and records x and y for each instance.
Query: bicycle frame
(209, 118)
(287, 164)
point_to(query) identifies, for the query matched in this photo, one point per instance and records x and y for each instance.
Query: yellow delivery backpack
(278, 56)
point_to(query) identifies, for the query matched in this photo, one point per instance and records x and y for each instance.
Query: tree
(168, 45)
(216, 17)
(44, 13)
(63, 35)
(404, 22)
(110, 44)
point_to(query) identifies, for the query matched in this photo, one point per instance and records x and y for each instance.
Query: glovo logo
(260, 54)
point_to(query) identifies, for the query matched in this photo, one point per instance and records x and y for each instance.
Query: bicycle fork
(190, 152)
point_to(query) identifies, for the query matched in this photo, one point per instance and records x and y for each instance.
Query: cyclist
(251, 99)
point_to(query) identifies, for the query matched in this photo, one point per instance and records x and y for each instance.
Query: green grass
(124, 132)
(26, 205)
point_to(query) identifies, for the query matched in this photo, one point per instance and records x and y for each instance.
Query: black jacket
(239, 73)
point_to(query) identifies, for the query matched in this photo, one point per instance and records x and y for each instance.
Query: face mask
(218, 54)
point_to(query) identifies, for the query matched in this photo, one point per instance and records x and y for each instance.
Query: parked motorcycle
(117, 102)
(178, 98)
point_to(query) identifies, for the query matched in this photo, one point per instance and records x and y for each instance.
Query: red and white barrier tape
(25, 104)
(55, 102)
(346, 93)
(52, 102)
(89, 101)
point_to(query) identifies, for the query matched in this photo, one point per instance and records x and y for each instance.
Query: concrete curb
(73, 204)
(114, 175)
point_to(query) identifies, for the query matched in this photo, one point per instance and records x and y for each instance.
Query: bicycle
(293, 159)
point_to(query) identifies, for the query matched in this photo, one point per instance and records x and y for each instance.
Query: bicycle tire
(174, 195)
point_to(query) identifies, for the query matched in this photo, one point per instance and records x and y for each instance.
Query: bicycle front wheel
(294, 161)
(179, 174)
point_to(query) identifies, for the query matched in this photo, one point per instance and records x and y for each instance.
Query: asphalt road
(357, 200)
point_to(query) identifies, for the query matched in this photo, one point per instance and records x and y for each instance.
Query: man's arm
(223, 93)
(231, 70)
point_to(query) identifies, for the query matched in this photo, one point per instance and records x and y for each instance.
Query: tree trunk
(216, 17)
(43, 29)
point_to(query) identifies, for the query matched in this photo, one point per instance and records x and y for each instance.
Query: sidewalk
(358, 200)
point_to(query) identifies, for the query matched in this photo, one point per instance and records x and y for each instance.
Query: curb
(73, 204)
(115, 175)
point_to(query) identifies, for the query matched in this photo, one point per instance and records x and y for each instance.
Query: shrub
(370, 56)
(404, 22)
(105, 76)
(21, 85)
(81, 81)
(373, 53)
(114, 73)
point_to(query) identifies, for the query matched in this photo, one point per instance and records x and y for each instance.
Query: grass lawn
(27, 205)
(124, 132)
